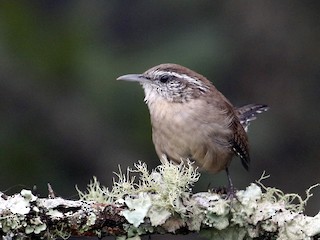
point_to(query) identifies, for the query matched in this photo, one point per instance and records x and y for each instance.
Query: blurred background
(64, 118)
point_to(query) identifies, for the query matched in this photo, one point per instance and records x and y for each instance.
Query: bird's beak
(133, 78)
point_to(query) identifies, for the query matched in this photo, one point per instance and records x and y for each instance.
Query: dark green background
(64, 117)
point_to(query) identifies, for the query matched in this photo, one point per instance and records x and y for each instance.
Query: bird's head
(170, 82)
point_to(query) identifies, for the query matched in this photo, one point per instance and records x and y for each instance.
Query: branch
(160, 202)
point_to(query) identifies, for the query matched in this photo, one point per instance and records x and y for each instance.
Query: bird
(191, 119)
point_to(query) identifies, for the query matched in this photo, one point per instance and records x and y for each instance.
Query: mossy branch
(160, 201)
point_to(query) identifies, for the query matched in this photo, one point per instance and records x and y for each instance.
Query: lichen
(36, 226)
(95, 192)
(60, 231)
(158, 215)
(27, 194)
(165, 186)
(14, 211)
(91, 220)
(162, 199)
(292, 201)
(20, 203)
(312, 225)
(137, 208)
(263, 209)
(156, 195)
(232, 232)
(55, 214)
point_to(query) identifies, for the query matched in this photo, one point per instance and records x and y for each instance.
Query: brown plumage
(191, 119)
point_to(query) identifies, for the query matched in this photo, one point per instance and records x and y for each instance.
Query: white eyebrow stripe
(194, 80)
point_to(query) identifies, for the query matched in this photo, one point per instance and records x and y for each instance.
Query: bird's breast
(195, 130)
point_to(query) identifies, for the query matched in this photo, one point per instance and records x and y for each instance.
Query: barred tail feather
(249, 112)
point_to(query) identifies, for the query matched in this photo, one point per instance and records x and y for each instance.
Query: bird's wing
(239, 143)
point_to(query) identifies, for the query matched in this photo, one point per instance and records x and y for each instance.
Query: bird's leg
(231, 193)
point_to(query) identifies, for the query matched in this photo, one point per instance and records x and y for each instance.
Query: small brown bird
(192, 120)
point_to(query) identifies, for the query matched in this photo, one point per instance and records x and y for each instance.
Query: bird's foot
(218, 190)
(231, 193)
(227, 193)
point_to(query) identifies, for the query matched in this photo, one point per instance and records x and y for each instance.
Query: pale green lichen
(91, 220)
(60, 231)
(136, 237)
(20, 203)
(137, 208)
(312, 225)
(156, 195)
(37, 225)
(165, 186)
(217, 215)
(133, 231)
(259, 214)
(163, 198)
(272, 211)
(55, 214)
(292, 201)
(95, 192)
(167, 182)
(14, 211)
(10, 222)
(158, 215)
(215, 210)
(232, 233)
(27, 194)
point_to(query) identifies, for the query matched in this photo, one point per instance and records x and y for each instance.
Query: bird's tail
(249, 112)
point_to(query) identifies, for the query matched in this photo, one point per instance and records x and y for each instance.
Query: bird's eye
(164, 78)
